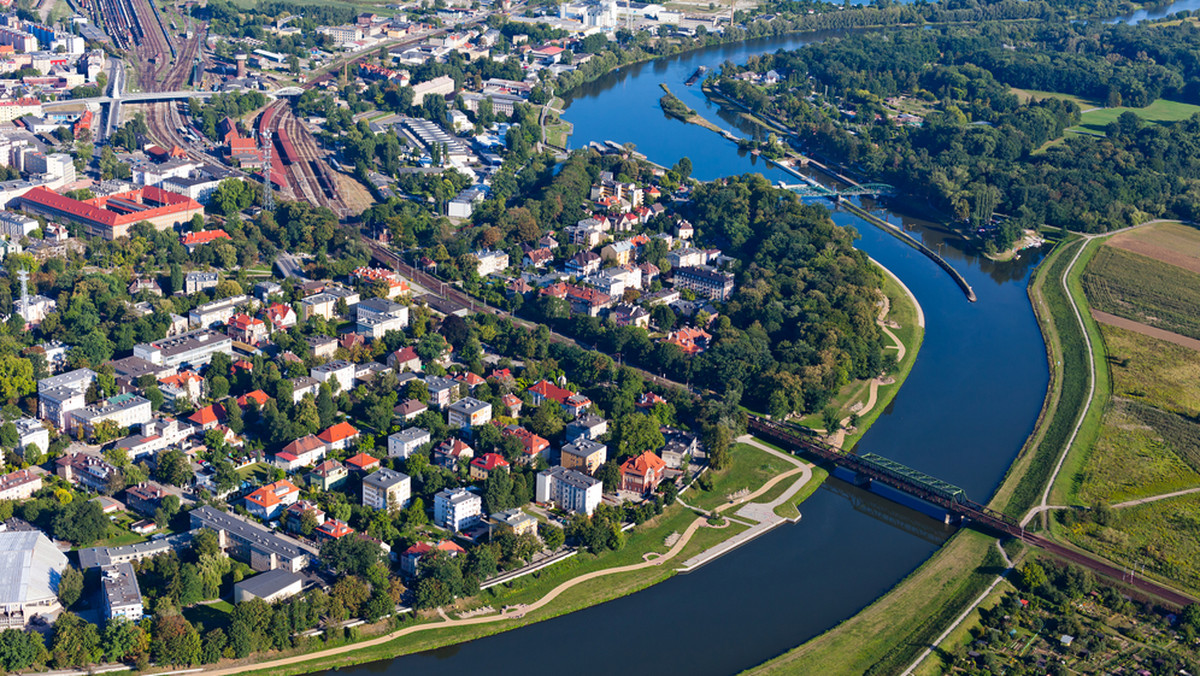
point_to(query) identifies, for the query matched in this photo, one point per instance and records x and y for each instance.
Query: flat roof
(265, 585)
(258, 536)
(120, 585)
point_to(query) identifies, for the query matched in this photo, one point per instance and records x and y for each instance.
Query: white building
(468, 412)
(124, 410)
(338, 370)
(32, 567)
(386, 490)
(457, 509)
(31, 432)
(491, 262)
(406, 442)
(376, 316)
(569, 490)
(59, 396)
(122, 596)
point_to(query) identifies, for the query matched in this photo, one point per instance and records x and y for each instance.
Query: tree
(552, 536)
(174, 468)
(70, 586)
(1033, 576)
(325, 406)
(175, 641)
(717, 439)
(76, 642)
(610, 474)
(350, 555)
(124, 640)
(16, 378)
(81, 522)
(20, 650)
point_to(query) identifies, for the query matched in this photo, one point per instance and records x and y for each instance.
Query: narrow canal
(967, 407)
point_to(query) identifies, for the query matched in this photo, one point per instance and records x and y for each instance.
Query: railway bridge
(873, 470)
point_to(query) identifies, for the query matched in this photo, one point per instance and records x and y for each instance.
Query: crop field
(1163, 536)
(1159, 112)
(1133, 459)
(1154, 372)
(1145, 290)
(1173, 243)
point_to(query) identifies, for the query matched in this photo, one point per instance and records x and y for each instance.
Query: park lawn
(887, 635)
(707, 537)
(557, 134)
(123, 537)
(1027, 95)
(1153, 371)
(258, 472)
(1161, 111)
(1164, 536)
(749, 468)
(1131, 460)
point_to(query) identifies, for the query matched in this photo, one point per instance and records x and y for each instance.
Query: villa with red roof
(396, 285)
(411, 557)
(280, 316)
(404, 359)
(691, 340)
(535, 446)
(332, 530)
(363, 463)
(449, 451)
(572, 403)
(269, 501)
(247, 329)
(485, 464)
(339, 436)
(305, 451)
(643, 473)
(512, 404)
(257, 396)
(208, 417)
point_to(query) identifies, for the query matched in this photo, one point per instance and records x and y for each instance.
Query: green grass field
(750, 469)
(1164, 536)
(1027, 95)
(1152, 371)
(1158, 112)
(1145, 290)
(1130, 460)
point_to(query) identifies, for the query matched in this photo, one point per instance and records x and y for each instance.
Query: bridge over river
(908, 486)
(815, 189)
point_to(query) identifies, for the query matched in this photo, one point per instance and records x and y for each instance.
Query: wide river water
(962, 415)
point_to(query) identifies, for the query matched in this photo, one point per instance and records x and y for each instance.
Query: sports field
(1159, 112)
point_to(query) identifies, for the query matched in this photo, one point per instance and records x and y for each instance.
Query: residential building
(512, 404)
(338, 436)
(404, 359)
(332, 529)
(59, 396)
(89, 471)
(195, 282)
(456, 509)
(33, 566)
(679, 445)
(269, 501)
(145, 499)
(712, 284)
(31, 433)
(442, 390)
(585, 455)
(295, 513)
(339, 371)
(491, 262)
(468, 412)
(247, 329)
(538, 257)
(122, 596)
(406, 442)
(362, 463)
(123, 411)
(691, 340)
(620, 253)
(20, 485)
(447, 453)
(438, 86)
(410, 409)
(569, 490)
(270, 586)
(642, 474)
(386, 489)
(628, 314)
(327, 475)
(573, 403)
(583, 264)
(687, 257)
(217, 312)
(410, 559)
(322, 305)
(302, 385)
(246, 541)
(516, 521)
(302, 452)
(208, 417)
(193, 240)
(376, 316)
(485, 464)
(587, 301)
(195, 349)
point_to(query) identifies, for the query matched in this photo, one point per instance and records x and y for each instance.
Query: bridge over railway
(871, 469)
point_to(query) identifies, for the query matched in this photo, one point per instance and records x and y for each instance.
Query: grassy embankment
(676, 108)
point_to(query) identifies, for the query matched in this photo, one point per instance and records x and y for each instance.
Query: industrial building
(111, 216)
(32, 567)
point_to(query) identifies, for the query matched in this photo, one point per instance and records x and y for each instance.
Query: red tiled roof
(181, 379)
(405, 354)
(204, 237)
(304, 444)
(334, 529)
(243, 321)
(643, 464)
(258, 396)
(94, 210)
(363, 461)
(208, 415)
(338, 432)
(551, 391)
(272, 494)
(444, 545)
(489, 461)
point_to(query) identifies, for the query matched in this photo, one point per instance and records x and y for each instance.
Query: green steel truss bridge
(809, 190)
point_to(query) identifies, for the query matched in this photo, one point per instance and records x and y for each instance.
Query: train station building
(111, 216)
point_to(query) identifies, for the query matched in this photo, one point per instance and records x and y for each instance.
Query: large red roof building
(111, 216)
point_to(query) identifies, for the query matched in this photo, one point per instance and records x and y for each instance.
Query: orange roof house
(643, 473)
(363, 462)
(208, 417)
(257, 396)
(485, 464)
(338, 436)
(268, 501)
(194, 239)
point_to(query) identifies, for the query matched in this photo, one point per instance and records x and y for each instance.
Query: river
(963, 414)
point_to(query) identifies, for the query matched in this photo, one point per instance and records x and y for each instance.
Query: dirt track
(1138, 327)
